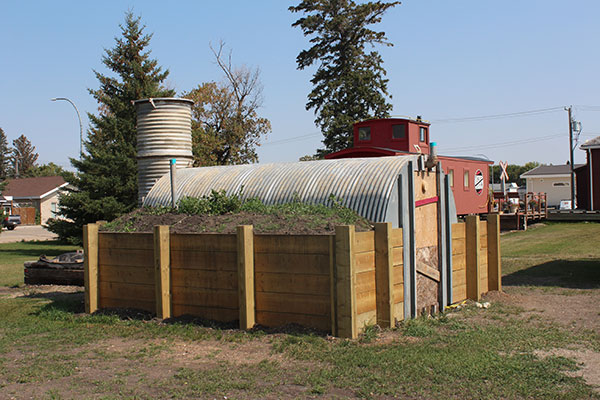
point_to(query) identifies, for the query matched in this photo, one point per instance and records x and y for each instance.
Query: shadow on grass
(573, 274)
(35, 249)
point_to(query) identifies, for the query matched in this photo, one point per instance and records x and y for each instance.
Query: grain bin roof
(365, 185)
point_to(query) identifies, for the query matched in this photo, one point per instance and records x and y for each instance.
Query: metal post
(80, 124)
(571, 158)
(173, 190)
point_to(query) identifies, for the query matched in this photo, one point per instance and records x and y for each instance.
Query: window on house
(423, 134)
(466, 179)
(364, 133)
(398, 131)
(53, 209)
(451, 177)
(559, 184)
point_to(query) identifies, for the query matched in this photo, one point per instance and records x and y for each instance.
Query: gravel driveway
(27, 233)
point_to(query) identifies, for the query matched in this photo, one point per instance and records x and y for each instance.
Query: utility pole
(568, 109)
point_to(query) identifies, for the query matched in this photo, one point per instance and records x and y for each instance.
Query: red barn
(469, 176)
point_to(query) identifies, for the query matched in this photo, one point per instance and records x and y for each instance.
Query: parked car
(10, 222)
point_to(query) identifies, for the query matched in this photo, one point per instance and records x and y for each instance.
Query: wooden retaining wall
(338, 283)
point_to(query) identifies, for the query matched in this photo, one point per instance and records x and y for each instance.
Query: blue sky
(465, 58)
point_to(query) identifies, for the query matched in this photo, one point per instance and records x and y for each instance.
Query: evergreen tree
(5, 156)
(24, 155)
(106, 183)
(349, 83)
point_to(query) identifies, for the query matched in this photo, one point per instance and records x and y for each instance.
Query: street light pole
(80, 124)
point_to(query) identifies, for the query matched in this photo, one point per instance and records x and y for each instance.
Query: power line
(499, 116)
(502, 144)
(292, 139)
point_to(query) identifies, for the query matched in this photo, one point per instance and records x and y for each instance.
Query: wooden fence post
(162, 271)
(493, 249)
(384, 284)
(245, 256)
(346, 281)
(90, 275)
(472, 254)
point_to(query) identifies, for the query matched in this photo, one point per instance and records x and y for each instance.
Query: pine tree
(24, 155)
(5, 156)
(106, 183)
(349, 83)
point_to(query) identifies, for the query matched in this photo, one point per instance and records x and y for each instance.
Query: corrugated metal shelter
(367, 185)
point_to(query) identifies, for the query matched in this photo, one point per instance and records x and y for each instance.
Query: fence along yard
(336, 283)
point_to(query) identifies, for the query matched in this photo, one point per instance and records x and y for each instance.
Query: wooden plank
(459, 293)
(365, 302)
(482, 228)
(292, 244)
(428, 271)
(135, 241)
(204, 279)
(398, 255)
(212, 313)
(203, 297)
(90, 267)
(138, 304)
(127, 291)
(211, 261)
(459, 262)
(396, 238)
(384, 274)
(54, 276)
(345, 282)
(364, 241)
(364, 261)
(459, 246)
(292, 283)
(245, 249)
(459, 277)
(458, 231)
(162, 271)
(332, 286)
(293, 303)
(483, 242)
(366, 319)
(277, 319)
(117, 274)
(399, 313)
(398, 296)
(365, 281)
(313, 264)
(473, 261)
(126, 257)
(493, 253)
(209, 242)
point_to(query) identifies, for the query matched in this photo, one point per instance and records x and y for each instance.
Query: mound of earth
(284, 223)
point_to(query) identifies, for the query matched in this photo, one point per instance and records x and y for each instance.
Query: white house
(554, 180)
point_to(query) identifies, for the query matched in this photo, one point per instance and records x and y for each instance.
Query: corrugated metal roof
(362, 184)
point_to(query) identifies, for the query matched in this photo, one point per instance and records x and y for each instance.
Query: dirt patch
(587, 360)
(284, 223)
(43, 291)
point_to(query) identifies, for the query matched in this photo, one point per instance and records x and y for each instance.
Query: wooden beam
(493, 251)
(472, 253)
(332, 284)
(90, 275)
(162, 271)
(245, 256)
(384, 285)
(345, 284)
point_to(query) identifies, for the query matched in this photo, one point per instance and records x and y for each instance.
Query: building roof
(33, 188)
(549, 171)
(591, 143)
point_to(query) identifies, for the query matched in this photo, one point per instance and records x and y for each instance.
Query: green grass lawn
(13, 255)
(50, 349)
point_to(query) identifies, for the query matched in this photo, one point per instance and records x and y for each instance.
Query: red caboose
(469, 176)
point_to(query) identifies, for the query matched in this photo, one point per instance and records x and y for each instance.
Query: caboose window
(466, 181)
(451, 177)
(398, 131)
(423, 134)
(364, 133)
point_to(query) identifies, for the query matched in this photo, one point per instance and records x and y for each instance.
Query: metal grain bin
(164, 131)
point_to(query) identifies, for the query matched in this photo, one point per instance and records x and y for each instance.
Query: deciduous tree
(349, 83)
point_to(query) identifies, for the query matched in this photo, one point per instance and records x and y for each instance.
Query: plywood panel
(365, 241)
(458, 230)
(126, 257)
(200, 278)
(365, 261)
(127, 291)
(204, 242)
(397, 239)
(276, 319)
(425, 185)
(213, 313)
(146, 305)
(118, 274)
(314, 264)
(293, 303)
(204, 297)
(125, 241)
(196, 259)
(426, 225)
(293, 244)
(365, 302)
(292, 283)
